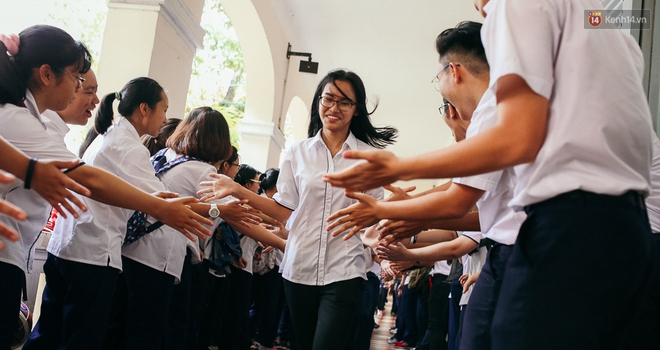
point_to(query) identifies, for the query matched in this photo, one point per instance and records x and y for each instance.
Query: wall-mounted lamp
(305, 66)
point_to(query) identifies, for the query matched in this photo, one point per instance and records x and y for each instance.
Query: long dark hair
(268, 179)
(135, 92)
(155, 144)
(204, 134)
(245, 174)
(361, 126)
(40, 44)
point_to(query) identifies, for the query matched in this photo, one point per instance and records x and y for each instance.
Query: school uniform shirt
(55, 126)
(96, 237)
(184, 179)
(472, 264)
(499, 222)
(597, 137)
(653, 200)
(312, 256)
(249, 247)
(24, 128)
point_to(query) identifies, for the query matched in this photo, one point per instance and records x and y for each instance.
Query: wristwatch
(214, 212)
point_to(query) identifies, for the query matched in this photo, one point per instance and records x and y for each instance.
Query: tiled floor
(380, 335)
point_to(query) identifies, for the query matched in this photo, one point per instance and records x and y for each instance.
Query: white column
(153, 38)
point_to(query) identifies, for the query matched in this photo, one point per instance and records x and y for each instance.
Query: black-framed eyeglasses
(436, 80)
(77, 77)
(444, 107)
(344, 105)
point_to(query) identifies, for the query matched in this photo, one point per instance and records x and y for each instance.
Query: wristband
(29, 172)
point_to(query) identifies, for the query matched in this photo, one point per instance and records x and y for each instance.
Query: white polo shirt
(24, 128)
(96, 237)
(497, 220)
(597, 137)
(313, 256)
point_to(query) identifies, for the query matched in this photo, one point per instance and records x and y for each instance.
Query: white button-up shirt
(312, 255)
(24, 128)
(597, 138)
(167, 252)
(497, 220)
(97, 235)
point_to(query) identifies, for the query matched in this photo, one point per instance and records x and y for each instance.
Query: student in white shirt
(577, 187)
(45, 74)
(84, 253)
(323, 275)
(196, 148)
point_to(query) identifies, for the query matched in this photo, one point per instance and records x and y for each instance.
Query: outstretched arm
(515, 139)
(46, 179)
(440, 251)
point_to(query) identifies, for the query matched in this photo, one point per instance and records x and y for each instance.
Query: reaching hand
(177, 214)
(396, 230)
(239, 211)
(220, 188)
(470, 281)
(53, 185)
(381, 168)
(394, 252)
(165, 194)
(400, 266)
(356, 217)
(399, 193)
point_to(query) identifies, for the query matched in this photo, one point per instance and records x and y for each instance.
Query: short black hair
(463, 44)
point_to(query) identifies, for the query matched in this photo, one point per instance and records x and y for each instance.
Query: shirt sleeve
(287, 190)
(484, 182)
(25, 132)
(521, 37)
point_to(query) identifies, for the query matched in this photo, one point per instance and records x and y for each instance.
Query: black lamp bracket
(290, 53)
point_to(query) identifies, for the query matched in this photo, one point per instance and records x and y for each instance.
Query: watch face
(214, 212)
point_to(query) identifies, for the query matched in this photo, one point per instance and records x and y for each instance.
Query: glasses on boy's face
(444, 107)
(436, 79)
(77, 77)
(343, 105)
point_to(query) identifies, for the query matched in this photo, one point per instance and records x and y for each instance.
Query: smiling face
(334, 119)
(80, 110)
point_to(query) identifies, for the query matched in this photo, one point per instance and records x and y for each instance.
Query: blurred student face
(81, 108)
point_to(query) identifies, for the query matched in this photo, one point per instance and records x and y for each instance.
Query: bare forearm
(469, 222)
(444, 251)
(266, 205)
(453, 203)
(110, 189)
(13, 160)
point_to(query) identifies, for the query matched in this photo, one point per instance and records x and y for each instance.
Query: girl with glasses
(323, 275)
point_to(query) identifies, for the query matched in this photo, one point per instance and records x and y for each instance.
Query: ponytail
(102, 122)
(39, 44)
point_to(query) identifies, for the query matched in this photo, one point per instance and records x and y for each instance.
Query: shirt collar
(31, 105)
(56, 122)
(123, 123)
(350, 141)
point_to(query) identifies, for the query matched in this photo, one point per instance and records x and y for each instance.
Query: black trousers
(75, 305)
(12, 280)
(483, 300)
(322, 315)
(577, 276)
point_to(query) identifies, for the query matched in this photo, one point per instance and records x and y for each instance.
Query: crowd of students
(554, 198)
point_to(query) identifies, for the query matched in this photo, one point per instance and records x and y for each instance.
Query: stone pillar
(153, 38)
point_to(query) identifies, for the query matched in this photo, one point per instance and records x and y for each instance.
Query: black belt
(633, 198)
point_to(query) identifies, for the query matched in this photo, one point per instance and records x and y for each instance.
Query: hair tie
(117, 96)
(12, 42)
